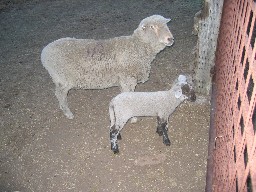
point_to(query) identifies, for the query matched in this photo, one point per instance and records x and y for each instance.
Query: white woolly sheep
(138, 104)
(98, 64)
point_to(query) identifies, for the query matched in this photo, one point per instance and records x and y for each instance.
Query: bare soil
(41, 150)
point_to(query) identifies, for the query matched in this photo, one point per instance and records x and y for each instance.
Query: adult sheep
(98, 64)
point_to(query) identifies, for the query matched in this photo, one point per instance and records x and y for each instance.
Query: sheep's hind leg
(162, 129)
(114, 135)
(61, 93)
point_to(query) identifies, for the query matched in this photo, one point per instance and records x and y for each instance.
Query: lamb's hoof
(167, 142)
(134, 120)
(160, 133)
(114, 149)
(116, 152)
(119, 136)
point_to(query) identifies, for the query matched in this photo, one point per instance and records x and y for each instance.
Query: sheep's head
(154, 30)
(184, 89)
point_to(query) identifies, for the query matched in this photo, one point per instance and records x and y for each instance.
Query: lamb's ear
(182, 78)
(178, 93)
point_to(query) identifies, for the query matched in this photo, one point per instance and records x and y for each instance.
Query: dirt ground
(41, 150)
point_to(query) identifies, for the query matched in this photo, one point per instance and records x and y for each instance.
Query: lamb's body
(97, 64)
(159, 104)
(142, 104)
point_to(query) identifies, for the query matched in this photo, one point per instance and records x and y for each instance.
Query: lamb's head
(154, 31)
(184, 89)
(189, 92)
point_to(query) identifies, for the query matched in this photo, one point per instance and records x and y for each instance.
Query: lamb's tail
(112, 114)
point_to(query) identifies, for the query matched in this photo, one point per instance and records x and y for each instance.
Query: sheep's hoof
(69, 115)
(167, 142)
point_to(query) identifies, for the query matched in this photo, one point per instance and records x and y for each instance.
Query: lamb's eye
(152, 26)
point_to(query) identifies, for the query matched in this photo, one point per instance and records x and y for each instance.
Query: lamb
(98, 64)
(137, 104)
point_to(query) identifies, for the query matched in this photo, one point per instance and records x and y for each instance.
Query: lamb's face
(189, 92)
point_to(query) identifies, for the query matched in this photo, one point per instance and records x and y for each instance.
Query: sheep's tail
(112, 114)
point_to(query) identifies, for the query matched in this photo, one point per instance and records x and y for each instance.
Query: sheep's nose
(170, 40)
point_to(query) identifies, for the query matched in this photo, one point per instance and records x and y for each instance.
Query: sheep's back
(96, 64)
(81, 62)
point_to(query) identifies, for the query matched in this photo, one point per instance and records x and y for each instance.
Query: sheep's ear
(143, 26)
(178, 93)
(168, 20)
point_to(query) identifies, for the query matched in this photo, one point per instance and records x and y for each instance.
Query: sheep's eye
(143, 27)
(152, 26)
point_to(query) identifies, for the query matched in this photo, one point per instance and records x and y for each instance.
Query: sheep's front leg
(114, 135)
(61, 93)
(128, 84)
(162, 129)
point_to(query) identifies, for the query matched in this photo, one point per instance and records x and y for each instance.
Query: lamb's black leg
(114, 133)
(166, 139)
(162, 128)
(159, 130)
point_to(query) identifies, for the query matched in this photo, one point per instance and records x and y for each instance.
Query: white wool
(135, 104)
(159, 104)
